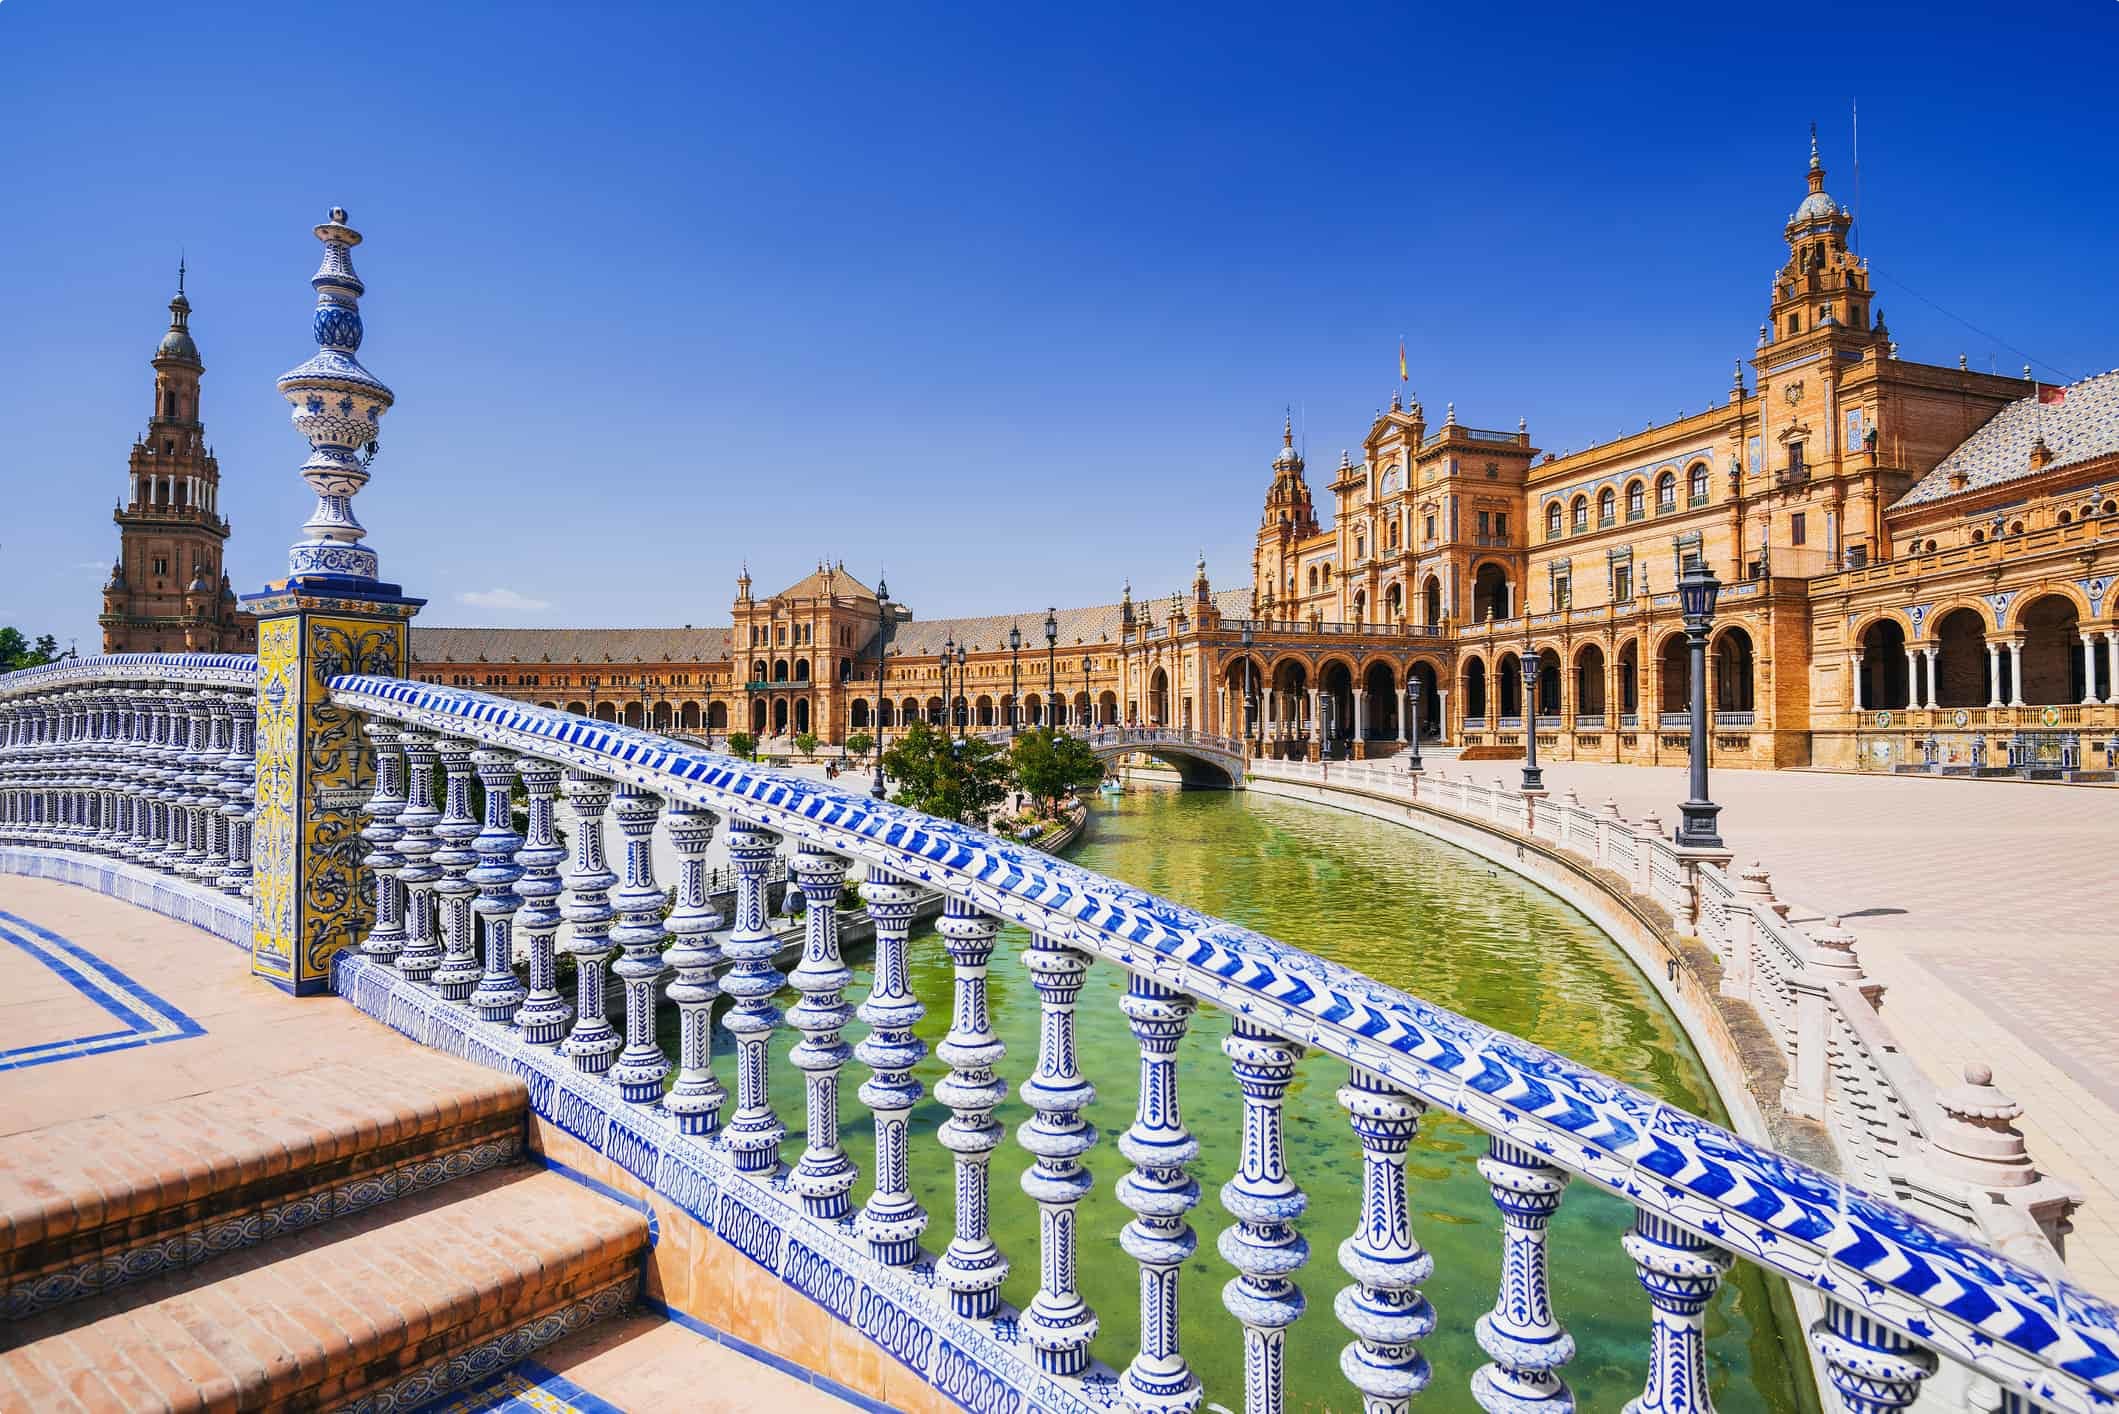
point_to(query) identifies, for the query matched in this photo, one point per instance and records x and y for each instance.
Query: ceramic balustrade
(1717, 1198)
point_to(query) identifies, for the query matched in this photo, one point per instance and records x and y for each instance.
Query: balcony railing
(141, 769)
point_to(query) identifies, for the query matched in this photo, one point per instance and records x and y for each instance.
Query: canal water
(1422, 916)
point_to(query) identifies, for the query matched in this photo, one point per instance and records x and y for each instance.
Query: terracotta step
(397, 1305)
(642, 1362)
(92, 1203)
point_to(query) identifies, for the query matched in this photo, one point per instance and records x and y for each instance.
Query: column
(543, 1016)
(1680, 1273)
(754, 1131)
(641, 1067)
(1384, 1309)
(1873, 1368)
(586, 906)
(1058, 1324)
(1993, 673)
(2111, 667)
(459, 967)
(2089, 669)
(498, 993)
(1405, 708)
(892, 1219)
(421, 953)
(1160, 1193)
(696, 1098)
(1361, 716)
(1526, 1344)
(1912, 676)
(2015, 645)
(972, 1268)
(824, 1175)
(386, 938)
(1860, 679)
(1263, 1244)
(1929, 652)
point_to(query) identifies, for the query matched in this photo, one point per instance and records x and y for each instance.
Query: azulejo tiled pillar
(331, 615)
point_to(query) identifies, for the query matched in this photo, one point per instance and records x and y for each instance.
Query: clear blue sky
(1008, 300)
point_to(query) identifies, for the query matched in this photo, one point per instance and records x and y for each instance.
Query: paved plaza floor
(1988, 909)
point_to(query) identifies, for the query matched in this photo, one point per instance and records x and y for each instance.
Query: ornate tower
(1289, 519)
(166, 592)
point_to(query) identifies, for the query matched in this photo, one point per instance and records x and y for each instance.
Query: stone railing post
(1831, 961)
(331, 615)
(1754, 891)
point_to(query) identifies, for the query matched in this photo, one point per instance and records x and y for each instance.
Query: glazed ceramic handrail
(1896, 1286)
(224, 670)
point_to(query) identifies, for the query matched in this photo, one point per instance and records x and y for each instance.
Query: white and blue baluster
(1384, 1310)
(543, 1016)
(169, 857)
(1526, 1344)
(642, 1068)
(1874, 1369)
(586, 907)
(697, 1097)
(386, 935)
(212, 791)
(1058, 1324)
(239, 776)
(198, 800)
(1160, 1192)
(754, 1132)
(892, 1219)
(972, 1268)
(824, 1175)
(498, 992)
(1680, 1272)
(422, 950)
(459, 968)
(1264, 1244)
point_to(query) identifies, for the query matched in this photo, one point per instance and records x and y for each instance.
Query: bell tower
(1289, 519)
(167, 592)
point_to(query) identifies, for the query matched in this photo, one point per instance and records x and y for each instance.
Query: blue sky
(1007, 301)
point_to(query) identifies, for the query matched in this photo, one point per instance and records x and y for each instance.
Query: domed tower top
(1818, 205)
(1288, 502)
(1824, 285)
(177, 345)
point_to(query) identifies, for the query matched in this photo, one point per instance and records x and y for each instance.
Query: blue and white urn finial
(337, 405)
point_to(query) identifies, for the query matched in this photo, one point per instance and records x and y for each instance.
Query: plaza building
(167, 591)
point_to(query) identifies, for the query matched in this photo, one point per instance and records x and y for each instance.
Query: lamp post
(1089, 706)
(593, 683)
(645, 724)
(1533, 778)
(1250, 690)
(1015, 678)
(964, 718)
(1697, 590)
(1412, 702)
(948, 701)
(1051, 662)
(883, 627)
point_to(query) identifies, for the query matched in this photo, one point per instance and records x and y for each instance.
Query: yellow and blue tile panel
(124, 1013)
(526, 1387)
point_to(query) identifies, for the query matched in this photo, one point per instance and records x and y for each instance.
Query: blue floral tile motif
(138, 1016)
(528, 1388)
(1782, 1214)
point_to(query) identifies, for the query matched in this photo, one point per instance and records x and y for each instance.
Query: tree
(1048, 764)
(16, 651)
(957, 778)
(806, 743)
(744, 745)
(860, 744)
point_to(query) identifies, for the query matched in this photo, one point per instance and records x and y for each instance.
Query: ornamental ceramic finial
(337, 406)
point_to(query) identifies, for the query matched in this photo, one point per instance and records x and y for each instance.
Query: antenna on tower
(1857, 176)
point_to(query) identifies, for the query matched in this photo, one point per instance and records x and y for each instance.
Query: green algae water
(1414, 913)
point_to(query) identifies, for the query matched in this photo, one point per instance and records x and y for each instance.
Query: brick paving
(1986, 910)
(644, 1363)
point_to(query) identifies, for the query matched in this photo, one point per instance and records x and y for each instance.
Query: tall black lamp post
(1697, 590)
(1250, 687)
(1051, 665)
(1533, 778)
(883, 627)
(948, 699)
(1089, 707)
(1412, 702)
(594, 682)
(964, 717)
(1015, 678)
(645, 724)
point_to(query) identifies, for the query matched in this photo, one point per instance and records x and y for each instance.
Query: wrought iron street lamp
(948, 699)
(1051, 662)
(1412, 701)
(1089, 707)
(1015, 678)
(1697, 591)
(1533, 778)
(964, 714)
(594, 682)
(1250, 689)
(645, 724)
(883, 627)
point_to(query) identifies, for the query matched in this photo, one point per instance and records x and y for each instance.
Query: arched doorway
(717, 717)
(1431, 603)
(1508, 688)
(779, 716)
(1630, 677)
(757, 716)
(1475, 690)
(801, 715)
(1394, 604)
(1886, 682)
(1423, 673)
(857, 715)
(1158, 698)
(688, 717)
(1107, 709)
(1490, 593)
(1288, 713)
(579, 709)
(1733, 691)
(934, 711)
(2052, 658)
(1244, 680)
(1589, 683)
(1549, 703)
(984, 708)
(1379, 692)
(605, 712)
(1961, 659)
(1335, 703)
(1674, 676)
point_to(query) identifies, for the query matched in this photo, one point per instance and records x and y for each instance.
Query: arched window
(1607, 506)
(1666, 492)
(1698, 484)
(1361, 547)
(169, 405)
(1552, 521)
(1636, 500)
(1578, 514)
(1313, 579)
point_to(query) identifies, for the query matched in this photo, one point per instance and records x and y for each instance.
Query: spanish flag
(1401, 358)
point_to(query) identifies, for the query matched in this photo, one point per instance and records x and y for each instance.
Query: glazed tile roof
(2082, 426)
(923, 638)
(811, 586)
(569, 645)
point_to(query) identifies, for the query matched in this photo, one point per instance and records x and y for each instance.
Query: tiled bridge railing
(1844, 1065)
(1898, 1291)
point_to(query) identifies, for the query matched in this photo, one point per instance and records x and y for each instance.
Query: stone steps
(386, 1309)
(91, 1204)
(643, 1362)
